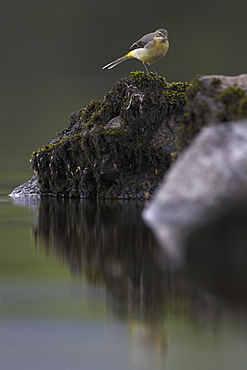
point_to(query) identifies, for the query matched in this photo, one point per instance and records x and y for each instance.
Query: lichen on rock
(212, 99)
(119, 146)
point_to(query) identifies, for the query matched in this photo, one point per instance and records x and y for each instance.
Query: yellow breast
(152, 52)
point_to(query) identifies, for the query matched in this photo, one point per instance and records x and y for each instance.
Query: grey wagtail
(148, 49)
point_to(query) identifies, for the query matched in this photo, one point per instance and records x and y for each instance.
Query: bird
(148, 49)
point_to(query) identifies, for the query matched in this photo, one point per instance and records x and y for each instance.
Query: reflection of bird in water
(149, 337)
(149, 49)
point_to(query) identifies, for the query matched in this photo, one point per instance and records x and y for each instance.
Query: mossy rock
(212, 99)
(118, 147)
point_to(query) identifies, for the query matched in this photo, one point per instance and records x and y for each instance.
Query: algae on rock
(118, 147)
(212, 99)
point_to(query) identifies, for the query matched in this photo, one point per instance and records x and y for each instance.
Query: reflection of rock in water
(217, 253)
(108, 243)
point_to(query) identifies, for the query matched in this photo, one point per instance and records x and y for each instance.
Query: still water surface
(84, 285)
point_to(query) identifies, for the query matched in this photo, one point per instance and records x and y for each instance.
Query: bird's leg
(147, 71)
(156, 74)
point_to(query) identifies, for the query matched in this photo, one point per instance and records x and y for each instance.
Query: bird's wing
(142, 42)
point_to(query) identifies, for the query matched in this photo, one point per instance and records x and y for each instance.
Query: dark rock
(29, 188)
(123, 145)
(120, 146)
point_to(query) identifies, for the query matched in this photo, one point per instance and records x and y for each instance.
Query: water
(85, 286)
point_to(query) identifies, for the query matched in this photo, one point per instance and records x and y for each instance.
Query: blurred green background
(52, 52)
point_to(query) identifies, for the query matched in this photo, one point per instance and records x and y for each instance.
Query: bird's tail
(117, 61)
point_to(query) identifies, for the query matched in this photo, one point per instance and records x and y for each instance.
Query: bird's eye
(160, 34)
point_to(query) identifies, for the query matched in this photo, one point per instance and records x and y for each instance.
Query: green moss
(88, 113)
(194, 115)
(141, 77)
(92, 157)
(242, 111)
(215, 82)
(195, 85)
(207, 103)
(234, 101)
(175, 91)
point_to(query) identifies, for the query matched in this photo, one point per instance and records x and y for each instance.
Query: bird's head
(161, 35)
